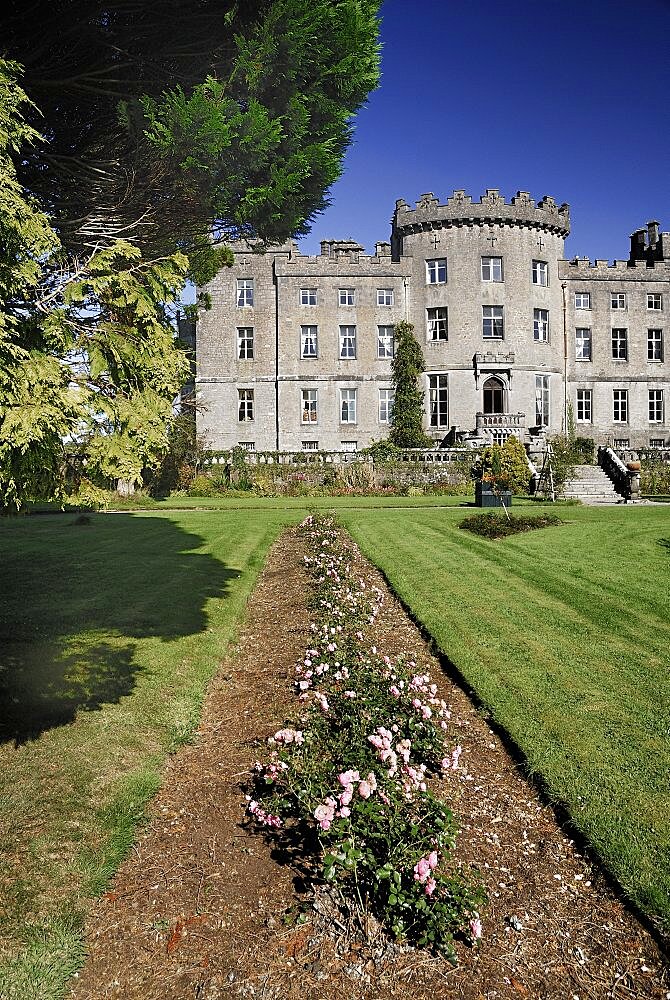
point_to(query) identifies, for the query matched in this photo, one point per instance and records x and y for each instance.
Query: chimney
(637, 244)
(652, 229)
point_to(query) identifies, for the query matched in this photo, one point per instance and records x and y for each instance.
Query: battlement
(637, 270)
(492, 208)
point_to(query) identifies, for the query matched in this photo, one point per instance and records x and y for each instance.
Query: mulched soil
(206, 908)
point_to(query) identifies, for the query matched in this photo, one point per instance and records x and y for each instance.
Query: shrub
(352, 777)
(203, 486)
(655, 475)
(506, 465)
(492, 525)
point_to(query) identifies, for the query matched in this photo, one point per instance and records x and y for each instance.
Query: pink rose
(431, 886)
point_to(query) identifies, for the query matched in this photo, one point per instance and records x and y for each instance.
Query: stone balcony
(500, 426)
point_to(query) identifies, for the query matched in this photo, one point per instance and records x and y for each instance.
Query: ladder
(546, 479)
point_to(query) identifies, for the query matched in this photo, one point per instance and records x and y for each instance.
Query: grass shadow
(73, 602)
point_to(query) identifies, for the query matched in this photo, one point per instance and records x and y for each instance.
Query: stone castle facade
(295, 354)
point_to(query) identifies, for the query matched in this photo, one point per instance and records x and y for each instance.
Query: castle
(295, 354)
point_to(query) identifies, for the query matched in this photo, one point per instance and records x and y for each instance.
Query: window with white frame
(310, 445)
(348, 406)
(347, 343)
(385, 346)
(384, 296)
(582, 300)
(347, 296)
(621, 443)
(584, 406)
(540, 272)
(541, 325)
(654, 345)
(309, 342)
(245, 291)
(438, 399)
(655, 406)
(308, 399)
(245, 404)
(655, 301)
(386, 397)
(620, 406)
(618, 300)
(583, 343)
(542, 400)
(492, 269)
(436, 271)
(245, 343)
(619, 343)
(492, 322)
(657, 442)
(437, 323)
(308, 296)
(247, 445)
(349, 446)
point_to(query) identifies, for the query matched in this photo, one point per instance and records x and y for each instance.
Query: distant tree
(165, 118)
(407, 415)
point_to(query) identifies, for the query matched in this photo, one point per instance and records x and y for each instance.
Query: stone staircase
(590, 484)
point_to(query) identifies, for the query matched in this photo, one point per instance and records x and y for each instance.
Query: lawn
(109, 633)
(564, 635)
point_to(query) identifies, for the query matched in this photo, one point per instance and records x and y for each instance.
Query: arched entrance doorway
(494, 395)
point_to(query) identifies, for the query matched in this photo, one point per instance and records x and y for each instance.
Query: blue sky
(556, 97)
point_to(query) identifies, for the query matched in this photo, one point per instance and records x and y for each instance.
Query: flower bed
(492, 525)
(352, 777)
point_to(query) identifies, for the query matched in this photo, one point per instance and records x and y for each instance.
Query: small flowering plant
(372, 733)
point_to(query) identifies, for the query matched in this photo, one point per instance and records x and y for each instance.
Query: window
(309, 407)
(541, 325)
(349, 446)
(309, 342)
(655, 406)
(347, 296)
(385, 342)
(347, 342)
(436, 271)
(386, 397)
(348, 406)
(621, 443)
(542, 400)
(310, 445)
(582, 300)
(247, 445)
(245, 291)
(584, 401)
(438, 394)
(384, 296)
(245, 404)
(620, 410)
(492, 269)
(619, 344)
(245, 343)
(657, 442)
(582, 344)
(618, 300)
(308, 296)
(654, 345)
(540, 272)
(492, 319)
(494, 395)
(654, 301)
(437, 323)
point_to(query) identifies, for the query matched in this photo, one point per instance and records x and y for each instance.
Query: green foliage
(407, 415)
(183, 458)
(229, 114)
(655, 475)
(382, 451)
(505, 465)
(491, 525)
(584, 449)
(564, 459)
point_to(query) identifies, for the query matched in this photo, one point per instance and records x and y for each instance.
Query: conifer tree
(407, 416)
